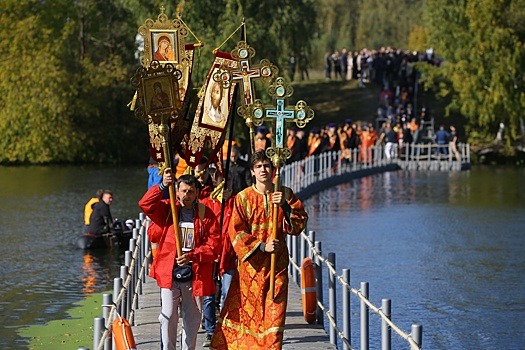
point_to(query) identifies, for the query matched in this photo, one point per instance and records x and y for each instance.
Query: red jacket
(227, 258)
(207, 243)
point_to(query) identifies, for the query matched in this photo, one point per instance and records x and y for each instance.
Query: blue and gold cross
(300, 114)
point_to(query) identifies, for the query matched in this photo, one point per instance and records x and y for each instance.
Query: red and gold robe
(250, 319)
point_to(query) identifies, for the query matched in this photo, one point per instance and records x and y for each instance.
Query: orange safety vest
(88, 209)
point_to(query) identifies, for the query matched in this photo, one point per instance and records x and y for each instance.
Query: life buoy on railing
(154, 247)
(308, 290)
(123, 335)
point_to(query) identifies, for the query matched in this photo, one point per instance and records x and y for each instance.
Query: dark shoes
(207, 342)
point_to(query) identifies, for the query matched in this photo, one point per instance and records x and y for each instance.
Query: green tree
(35, 119)
(64, 86)
(482, 42)
(387, 23)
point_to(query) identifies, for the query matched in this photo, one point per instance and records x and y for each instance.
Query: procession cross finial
(246, 74)
(300, 114)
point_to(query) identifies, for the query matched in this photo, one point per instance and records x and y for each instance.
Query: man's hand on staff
(184, 259)
(272, 246)
(167, 177)
(278, 198)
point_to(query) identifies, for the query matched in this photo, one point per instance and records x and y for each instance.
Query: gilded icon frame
(174, 30)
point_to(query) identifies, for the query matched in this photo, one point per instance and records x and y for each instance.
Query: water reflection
(95, 269)
(446, 248)
(90, 275)
(41, 214)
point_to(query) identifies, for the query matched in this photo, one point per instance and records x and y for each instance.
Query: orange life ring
(154, 247)
(123, 335)
(308, 290)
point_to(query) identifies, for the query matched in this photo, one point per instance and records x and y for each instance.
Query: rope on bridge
(125, 287)
(357, 292)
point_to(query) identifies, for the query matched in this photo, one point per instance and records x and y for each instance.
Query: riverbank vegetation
(65, 68)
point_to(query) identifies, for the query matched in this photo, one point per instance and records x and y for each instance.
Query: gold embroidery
(230, 324)
(238, 237)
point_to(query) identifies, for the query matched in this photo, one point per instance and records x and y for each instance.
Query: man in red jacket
(200, 240)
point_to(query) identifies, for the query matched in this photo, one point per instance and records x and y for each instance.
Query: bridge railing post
(289, 245)
(117, 286)
(364, 316)
(98, 329)
(124, 300)
(417, 334)
(295, 257)
(319, 282)
(347, 312)
(107, 301)
(311, 235)
(332, 299)
(386, 332)
(128, 254)
(302, 249)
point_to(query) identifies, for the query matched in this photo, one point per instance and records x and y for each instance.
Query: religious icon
(215, 105)
(163, 44)
(187, 235)
(160, 99)
(158, 92)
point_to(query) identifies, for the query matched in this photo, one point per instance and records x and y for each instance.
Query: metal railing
(127, 287)
(312, 174)
(326, 166)
(304, 246)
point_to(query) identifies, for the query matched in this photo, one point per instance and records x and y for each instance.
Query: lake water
(446, 248)
(41, 215)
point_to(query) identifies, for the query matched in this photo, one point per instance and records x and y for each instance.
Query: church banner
(213, 111)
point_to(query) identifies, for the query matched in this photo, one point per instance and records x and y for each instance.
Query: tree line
(65, 65)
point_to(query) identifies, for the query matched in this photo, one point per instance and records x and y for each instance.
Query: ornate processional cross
(246, 74)
(280, 114)
(300, 114)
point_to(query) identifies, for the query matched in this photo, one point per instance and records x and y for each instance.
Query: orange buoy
(308, 290)
(123, 335)
(154, 247)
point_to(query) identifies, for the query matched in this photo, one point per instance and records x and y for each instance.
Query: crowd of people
(226, 234)
(361, 139)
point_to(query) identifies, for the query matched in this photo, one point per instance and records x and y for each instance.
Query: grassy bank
(335, 100)
(70, 333)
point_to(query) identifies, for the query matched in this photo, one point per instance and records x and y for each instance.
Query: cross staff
(246, 75)
(301, 114)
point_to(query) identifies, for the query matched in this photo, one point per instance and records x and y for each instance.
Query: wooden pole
(275, 224)
(163, 129)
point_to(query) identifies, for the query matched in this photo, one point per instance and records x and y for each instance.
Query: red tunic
(250, 319)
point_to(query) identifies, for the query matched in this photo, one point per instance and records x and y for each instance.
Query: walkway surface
(297, 335)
